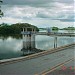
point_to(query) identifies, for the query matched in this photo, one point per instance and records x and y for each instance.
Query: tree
(1, 13)
(55, 28)
(1, 1)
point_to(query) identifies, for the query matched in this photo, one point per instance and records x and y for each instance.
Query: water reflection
(10, 48)
(29, 46)
(5, 37)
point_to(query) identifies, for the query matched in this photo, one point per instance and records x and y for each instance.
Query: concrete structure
(28, 30)
(28, 35)
(49, 32)
(55, 42)
(56, 34)
(28, 43)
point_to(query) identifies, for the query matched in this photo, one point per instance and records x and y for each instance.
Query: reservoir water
(11, 46)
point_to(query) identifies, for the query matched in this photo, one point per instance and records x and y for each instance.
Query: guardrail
(56, 34)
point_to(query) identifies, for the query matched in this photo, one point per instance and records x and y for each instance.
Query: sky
(41, 13)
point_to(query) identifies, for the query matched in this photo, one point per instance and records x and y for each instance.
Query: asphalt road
(37, 65)
(66, 69)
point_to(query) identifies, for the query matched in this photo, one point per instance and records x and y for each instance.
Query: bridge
(42, 63)
(56, 34)
(25, 31)
(33, 31)
(50, 33)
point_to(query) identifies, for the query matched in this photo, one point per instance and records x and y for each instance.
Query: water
(47, 42)
(11, 46)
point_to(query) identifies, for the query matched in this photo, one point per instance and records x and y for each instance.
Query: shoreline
(18, 59)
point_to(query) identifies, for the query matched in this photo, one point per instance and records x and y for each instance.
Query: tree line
(14, 28)
(56, 28)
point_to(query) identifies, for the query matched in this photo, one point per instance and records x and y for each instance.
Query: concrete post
(32, 30)
(55, 42)
(33, 41)
(25, 41)
(29, 41)
(23, 29)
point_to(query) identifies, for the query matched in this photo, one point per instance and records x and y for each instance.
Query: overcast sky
(41, 13)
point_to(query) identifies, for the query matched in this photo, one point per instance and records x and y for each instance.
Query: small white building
(28, 34)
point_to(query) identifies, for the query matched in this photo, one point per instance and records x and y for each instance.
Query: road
(65, 69)
(38, 65)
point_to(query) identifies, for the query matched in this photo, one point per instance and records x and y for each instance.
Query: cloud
(44, 11)
(35, 2)
(66, 1)
(66, 20)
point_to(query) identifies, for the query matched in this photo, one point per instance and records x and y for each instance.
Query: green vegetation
(6, 29)
(14, 28)
(55, 28)
(69, 28)
(42, 28)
